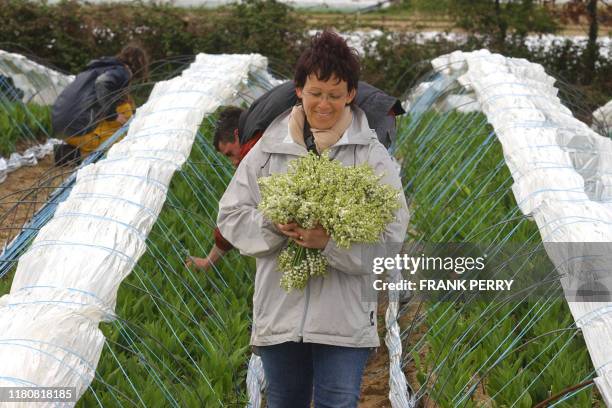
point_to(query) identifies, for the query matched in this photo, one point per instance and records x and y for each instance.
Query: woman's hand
(288, 229)
(315, 238)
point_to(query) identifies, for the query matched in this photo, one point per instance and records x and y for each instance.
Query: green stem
(299, 254)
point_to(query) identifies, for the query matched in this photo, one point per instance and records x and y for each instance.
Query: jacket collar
(276, 138)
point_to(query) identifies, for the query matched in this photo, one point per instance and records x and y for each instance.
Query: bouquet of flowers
(348, 202)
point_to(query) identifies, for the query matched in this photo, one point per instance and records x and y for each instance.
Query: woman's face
(324, 101)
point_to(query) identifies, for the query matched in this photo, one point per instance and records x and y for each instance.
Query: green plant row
(475, 352)
(182, 336)
(22, 122)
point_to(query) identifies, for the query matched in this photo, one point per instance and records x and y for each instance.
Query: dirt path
(375, 385)
(23, 192)
(375, 382)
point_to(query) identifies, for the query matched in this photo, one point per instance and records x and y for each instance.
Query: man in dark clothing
(239, 130)
(92, 96)
(96, 104)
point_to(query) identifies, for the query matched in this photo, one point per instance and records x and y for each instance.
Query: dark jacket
(379, 108)
(90, 98)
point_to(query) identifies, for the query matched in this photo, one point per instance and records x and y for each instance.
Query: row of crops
(181, 336)
(26, 123)
(512, 352)
(27, 90)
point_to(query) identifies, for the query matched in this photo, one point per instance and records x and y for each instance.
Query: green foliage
(427, 6)
(468, 188)
(70, 34)
(5, 284)
(266, 27)
(395, 62)
(516, 352)
(19, 122)
(497, 19)
(182, 336)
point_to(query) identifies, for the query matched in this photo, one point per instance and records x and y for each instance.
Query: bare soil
(375, 382)
(24, 191)
(375, 385)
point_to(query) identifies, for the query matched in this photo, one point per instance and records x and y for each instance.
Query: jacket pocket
(275, 312)
(338, 308)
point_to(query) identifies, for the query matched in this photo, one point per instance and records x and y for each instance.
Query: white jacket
(334, 309)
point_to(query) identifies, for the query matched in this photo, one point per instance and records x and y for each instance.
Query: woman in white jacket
(318, 338)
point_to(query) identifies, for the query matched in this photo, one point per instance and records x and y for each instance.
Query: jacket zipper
(301, 332)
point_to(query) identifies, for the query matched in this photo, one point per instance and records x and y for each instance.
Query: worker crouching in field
(97, 103)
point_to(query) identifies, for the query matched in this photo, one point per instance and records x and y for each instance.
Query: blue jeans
(292, 369)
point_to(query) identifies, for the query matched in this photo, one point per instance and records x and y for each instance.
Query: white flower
(349, 202)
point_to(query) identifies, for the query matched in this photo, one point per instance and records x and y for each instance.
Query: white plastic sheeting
(256, 382)
(28, 158)
(562, 175)
(39, 84)
(602, 120)
(400, 395)
(426, 95)
(67, 282)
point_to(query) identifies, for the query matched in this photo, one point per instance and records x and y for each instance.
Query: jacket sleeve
(356, 260)
(109, 91)
(221, 242)
(380, 109)
(239, 220)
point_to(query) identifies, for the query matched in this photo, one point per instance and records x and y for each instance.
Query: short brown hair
(328, 55)
(137, 59)
(226, 125)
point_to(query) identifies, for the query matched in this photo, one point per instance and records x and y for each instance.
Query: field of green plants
(18, 122)
(506, 352)
(181, 338)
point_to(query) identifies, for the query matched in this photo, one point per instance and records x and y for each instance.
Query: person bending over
(97, 103)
